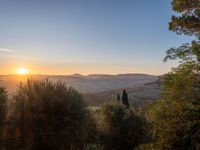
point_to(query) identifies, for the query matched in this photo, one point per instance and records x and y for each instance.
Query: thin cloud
(5, 50)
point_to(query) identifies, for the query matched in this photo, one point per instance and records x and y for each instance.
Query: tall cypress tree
(118, 97)
(125, 98)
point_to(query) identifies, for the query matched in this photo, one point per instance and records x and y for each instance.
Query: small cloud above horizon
(6, 50)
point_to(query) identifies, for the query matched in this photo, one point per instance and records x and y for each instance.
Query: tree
(3, 110)
(175, 119)
(118, 97)
(188, 22)
(175, 125)
(3, 101)
(120, 128)
(125, 99)
(48, 115)
(184, 81)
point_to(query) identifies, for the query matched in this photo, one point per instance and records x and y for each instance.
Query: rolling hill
(99, 88)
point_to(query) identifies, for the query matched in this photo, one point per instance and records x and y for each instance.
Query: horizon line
(73, 74)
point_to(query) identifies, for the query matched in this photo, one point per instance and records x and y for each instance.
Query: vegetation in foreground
(47, 115)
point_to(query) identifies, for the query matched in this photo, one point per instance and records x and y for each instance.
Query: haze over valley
(99, 88)
(100, 75)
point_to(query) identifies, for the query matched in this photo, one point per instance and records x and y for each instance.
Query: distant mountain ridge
(99, 88)
(138, 95)
(87, 84)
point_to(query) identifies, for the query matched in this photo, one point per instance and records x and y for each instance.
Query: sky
(86, 36)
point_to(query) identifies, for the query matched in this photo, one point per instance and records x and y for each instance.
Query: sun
(22, 71)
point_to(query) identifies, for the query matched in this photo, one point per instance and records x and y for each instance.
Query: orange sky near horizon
(98, 37)
(84, 69)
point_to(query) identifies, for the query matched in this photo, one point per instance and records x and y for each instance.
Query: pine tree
(175, 118)
(187, 23)
(125, 98)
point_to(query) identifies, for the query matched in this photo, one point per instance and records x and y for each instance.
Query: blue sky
(86, 36)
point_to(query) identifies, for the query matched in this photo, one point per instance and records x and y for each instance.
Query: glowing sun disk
(22, 71)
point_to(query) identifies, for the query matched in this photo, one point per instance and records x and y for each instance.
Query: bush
(3, 101)
(120, 127)
(3, 108)
(48, 115)
(175, 125)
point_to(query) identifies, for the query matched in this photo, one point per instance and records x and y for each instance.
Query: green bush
(120, 127)
(48, 115)
(174, 125)
(3, 109)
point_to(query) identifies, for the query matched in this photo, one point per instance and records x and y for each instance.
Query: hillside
(98, 88)
(138, 95)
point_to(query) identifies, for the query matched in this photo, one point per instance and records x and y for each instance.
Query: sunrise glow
(22, 71)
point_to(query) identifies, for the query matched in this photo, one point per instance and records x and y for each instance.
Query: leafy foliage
(175, 125)
(183, 83)
(175, 120)
(120, 128)
(3, 101)
(189, 21)
(3, 110)
(48, 116)
(184, 53)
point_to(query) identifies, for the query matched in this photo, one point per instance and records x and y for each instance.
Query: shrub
(48, 115)
(3, 109)
(175, 125)
(120, 127)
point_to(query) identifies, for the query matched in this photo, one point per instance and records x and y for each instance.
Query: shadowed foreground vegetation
(46, 115)
(49, 115)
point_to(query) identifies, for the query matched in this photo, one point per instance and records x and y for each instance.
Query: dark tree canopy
(182, 83)
(120, 128)
(175, 118)
(3, 109)
(118, 97)
(188, 22)
(174, 125)
(125, 98)
(3, 101)
(48, 115)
